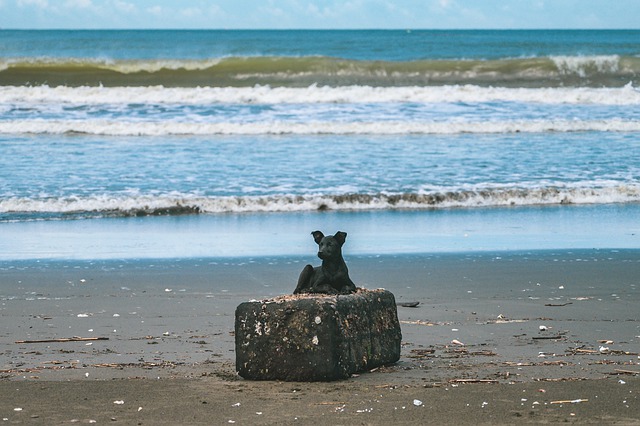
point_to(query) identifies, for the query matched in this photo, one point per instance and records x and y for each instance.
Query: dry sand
(497, 338)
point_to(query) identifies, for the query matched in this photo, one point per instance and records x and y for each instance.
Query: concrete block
(315, 337)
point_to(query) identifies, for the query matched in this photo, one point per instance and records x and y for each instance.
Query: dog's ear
(317, 236)
(340, 237)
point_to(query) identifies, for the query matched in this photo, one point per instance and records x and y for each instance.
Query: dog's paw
(324, 289)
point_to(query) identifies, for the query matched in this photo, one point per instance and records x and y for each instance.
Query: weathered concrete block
(314, 337)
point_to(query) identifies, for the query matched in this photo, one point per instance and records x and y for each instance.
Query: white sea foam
(583, 65)
(145, 128)
(122, 66)
(627, 95)
(187, 204)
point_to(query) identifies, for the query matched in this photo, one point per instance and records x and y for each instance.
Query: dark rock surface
(316, 337)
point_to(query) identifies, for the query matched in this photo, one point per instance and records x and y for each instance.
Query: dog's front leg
(323, 288)
(348, 286)
(304, 281)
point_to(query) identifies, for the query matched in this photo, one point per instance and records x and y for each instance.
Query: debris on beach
(602, 350)
(63, 340)
(628, 372)
(422, 322)
(561, 379)
(145, 364)
(572, 401)
(464, 352)
(409, 304)
(467, 381)
(502, 319)
(558, 336)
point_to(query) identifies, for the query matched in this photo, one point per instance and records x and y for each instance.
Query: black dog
(333, 276)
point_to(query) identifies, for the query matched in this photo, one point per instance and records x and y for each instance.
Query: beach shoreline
(498, 330)
(280, 234)
(153, 180)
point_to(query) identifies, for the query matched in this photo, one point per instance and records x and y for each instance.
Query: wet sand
(546, 336)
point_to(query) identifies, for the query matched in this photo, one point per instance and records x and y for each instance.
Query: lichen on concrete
(316, 337)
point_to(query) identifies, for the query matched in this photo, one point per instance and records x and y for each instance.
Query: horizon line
(317, 29)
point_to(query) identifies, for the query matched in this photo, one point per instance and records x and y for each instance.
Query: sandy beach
(153, 179)
(513, 337)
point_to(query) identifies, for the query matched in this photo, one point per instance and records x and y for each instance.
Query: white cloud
(155, 10)
(82, 4)
(214, 9)
(191, 12)
(315, 12)
(43, 4)
(124, 6)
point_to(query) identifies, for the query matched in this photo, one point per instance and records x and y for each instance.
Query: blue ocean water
(105, 126)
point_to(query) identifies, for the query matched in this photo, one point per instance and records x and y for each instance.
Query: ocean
(173, 144)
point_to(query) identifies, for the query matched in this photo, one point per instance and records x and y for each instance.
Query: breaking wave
(591, 71)
(113, 206)
(177, 128)
(159, 95)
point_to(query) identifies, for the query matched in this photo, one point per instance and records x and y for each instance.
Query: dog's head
(329, 247)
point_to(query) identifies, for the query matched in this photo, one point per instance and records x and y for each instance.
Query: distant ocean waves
(628, 94)
(21, 209)
(119, 128)
(552, 71)
(158, 111)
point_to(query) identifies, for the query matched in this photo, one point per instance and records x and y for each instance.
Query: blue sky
(330, 14)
